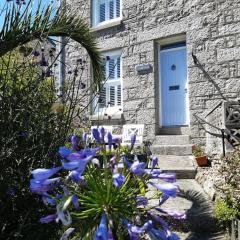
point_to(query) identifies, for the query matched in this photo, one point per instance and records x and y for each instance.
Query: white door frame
(160, 84)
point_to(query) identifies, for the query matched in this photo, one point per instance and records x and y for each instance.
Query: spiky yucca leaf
(100, 195)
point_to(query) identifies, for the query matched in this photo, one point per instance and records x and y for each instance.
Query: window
(105, 11)
(110, 95)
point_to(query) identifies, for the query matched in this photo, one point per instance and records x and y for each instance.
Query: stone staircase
(175, 155)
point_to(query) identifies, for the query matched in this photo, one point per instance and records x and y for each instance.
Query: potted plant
(200, 156)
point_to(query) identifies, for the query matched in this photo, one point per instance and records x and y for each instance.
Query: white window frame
(110, 110)
(108, 22)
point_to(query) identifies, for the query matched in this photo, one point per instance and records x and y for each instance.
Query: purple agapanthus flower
(163, 199)
(116, 139)
(86, 152)
(154, 162)
(47, 199)
(102, 134)
(138, 168)
(42, 173)
(174, 214)
(102, 232)
(110, 140)
(118, 179)
(64, 152)
(75, 202)
(76, 177)
(110, 234)
(79, 165)
(148, 225)
(133, 140)
(168, 177)
(48, 219)
(154, 173)
(63, 216)
(168, 189)
(134, 231)
(43, 186)
(74, 142)
(67, 233)
(96, 135)
(142, 201)
(157, 234)
(166, 230)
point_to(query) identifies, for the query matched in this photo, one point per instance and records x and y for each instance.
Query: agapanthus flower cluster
(70, 193)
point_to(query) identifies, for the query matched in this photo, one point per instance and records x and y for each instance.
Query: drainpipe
(62, 58)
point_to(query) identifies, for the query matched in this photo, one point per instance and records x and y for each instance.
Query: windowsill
(113, 114)
(107, 24)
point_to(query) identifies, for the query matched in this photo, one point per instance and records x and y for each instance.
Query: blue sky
(35, 4)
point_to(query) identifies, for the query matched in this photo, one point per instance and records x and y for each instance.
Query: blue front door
(173, 86)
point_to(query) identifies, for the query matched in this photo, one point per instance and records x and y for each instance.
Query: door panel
(173, 76)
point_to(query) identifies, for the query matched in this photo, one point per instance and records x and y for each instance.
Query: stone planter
(202, 161)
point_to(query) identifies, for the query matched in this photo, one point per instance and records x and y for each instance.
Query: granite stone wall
(212, 30)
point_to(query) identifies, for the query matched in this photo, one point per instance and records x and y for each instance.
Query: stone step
(174, 130)
(172, 140)
(183, 166)
(177, 150)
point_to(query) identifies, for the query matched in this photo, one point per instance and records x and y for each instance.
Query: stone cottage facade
(155, 81)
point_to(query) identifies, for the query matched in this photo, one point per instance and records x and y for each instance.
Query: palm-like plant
(23, 26)
(31, 125)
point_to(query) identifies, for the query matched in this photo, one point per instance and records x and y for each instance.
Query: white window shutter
(111, 66)
(118, 67)
(102, 98)
(102, 14)
(119, 95)
(117, 8)
(111, 10)
(112, 96)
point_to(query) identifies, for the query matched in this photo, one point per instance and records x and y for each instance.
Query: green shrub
(225, 213)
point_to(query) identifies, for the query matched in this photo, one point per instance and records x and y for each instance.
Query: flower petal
(67, 233)
(48, 218)
(96, 135)
(64, 152)
(75, 202)
(63, 216)
(42, 173)
(167, 188)
(102, 232)
(42, 186)
(118, 179)
(138, 168)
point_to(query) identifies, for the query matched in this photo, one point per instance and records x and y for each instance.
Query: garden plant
(104, 202)
(34, 119)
